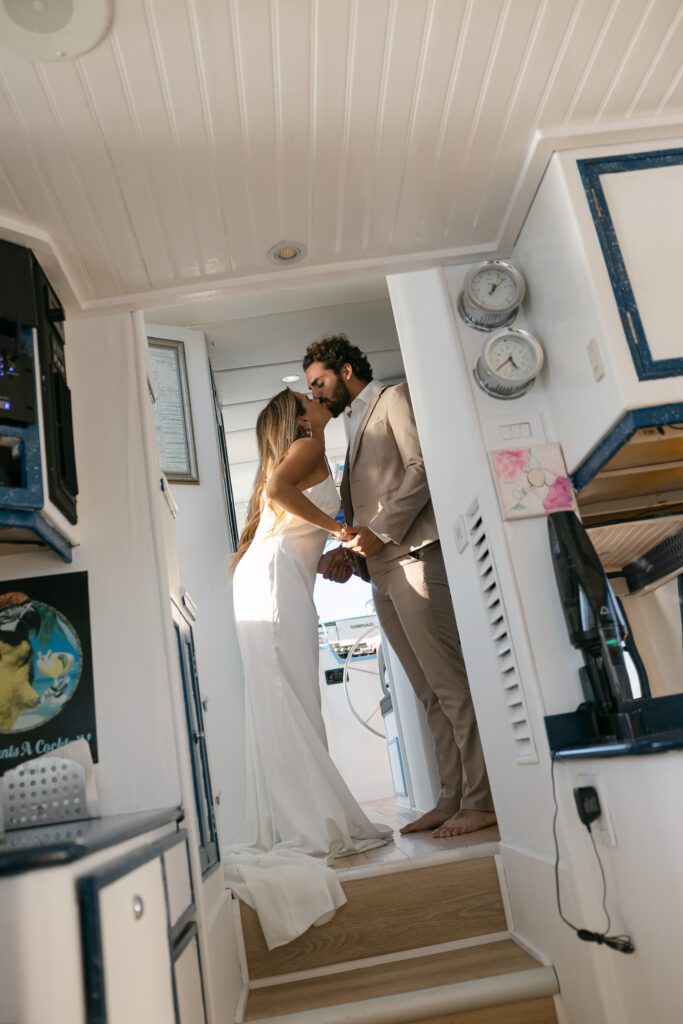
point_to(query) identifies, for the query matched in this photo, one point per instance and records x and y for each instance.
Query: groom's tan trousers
(413, 602)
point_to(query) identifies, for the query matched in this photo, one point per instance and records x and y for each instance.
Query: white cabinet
(140, 949)
(137, 984)
(188, 980)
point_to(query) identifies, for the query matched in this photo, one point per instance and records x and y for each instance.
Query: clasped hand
(337, 565)
(364, 542)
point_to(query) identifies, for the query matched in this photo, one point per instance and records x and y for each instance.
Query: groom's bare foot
(463, 822)
(428, 821)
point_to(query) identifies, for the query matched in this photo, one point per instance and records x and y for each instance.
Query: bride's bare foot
(428, 821)
(463, 822)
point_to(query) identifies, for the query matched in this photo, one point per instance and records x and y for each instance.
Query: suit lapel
(361, 428)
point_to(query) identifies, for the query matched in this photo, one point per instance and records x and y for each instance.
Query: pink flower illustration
(509, 462)
(560, 496)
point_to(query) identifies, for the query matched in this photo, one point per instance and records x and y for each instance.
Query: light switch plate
(595, 358)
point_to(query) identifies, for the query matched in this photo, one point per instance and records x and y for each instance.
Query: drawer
(176, 861)
(135, 953)
(187, 971)
(136, 919)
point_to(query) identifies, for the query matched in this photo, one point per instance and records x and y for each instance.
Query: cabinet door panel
(189, 990)
(134, 930)
(178, 882)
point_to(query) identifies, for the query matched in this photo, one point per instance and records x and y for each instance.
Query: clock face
(512, 357)
(493, 287)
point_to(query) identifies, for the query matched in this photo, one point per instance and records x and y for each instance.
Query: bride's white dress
(299, 811)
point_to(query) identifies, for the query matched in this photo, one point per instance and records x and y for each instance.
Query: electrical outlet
(602, 828)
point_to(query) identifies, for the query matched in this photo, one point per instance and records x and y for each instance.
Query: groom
(386, 497)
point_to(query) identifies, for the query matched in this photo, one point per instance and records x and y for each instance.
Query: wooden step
(436, 988)
(530, 1011)
(387, 913)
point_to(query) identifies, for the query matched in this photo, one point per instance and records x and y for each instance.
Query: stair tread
(464, 964)
(387, 914)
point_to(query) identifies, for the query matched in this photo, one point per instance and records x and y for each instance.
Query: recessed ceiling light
(287, 252)
(290, 378)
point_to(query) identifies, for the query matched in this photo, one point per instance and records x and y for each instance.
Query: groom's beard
(341, 397)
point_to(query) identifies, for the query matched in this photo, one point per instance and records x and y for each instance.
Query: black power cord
(589, 809)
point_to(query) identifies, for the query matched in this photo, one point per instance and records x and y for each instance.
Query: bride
(299, 812)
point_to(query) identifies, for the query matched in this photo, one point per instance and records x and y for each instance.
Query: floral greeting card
(532, 481)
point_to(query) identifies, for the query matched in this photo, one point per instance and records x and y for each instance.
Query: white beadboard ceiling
(380, 133)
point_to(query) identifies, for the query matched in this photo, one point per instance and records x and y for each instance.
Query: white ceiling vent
(53, 29)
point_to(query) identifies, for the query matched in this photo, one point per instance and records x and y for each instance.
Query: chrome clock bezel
(502, 387)
(481, 317)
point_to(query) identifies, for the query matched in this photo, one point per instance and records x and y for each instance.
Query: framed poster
(172, 413)
(47, 696)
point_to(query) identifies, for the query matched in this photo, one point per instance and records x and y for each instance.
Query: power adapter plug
(587, 804)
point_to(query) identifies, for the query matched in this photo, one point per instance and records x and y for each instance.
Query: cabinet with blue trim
(194, 718)
(140, 938)
(100, 921)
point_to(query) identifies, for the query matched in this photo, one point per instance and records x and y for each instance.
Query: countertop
(42, 846)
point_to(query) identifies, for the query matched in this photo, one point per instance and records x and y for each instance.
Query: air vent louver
(501, 642)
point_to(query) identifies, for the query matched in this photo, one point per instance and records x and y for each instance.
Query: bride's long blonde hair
(277, 427)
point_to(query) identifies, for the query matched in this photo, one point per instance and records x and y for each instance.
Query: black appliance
(28, 302)
(596, 628)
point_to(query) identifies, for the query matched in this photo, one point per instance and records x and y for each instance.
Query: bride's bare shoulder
(305, 447)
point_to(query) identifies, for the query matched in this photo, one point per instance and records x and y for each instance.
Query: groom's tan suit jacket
(385, 484)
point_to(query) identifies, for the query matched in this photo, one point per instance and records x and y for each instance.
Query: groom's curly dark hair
(334, 351)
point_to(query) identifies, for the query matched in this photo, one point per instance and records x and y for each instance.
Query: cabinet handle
(138, 907)
(205, 703)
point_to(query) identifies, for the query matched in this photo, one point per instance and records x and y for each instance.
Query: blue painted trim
(652, 416)
(591, 170)
(14, 518)
(89, 889)
(209, 854)
(189, 932)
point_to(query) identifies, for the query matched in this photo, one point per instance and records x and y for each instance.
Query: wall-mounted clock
(509, 363)
(491, 295)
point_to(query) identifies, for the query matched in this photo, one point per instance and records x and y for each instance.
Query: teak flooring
(388, 979)
(389, 913)
(412, 846)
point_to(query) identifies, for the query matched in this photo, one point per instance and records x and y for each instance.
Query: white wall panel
(646, 208)
(204, 554)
